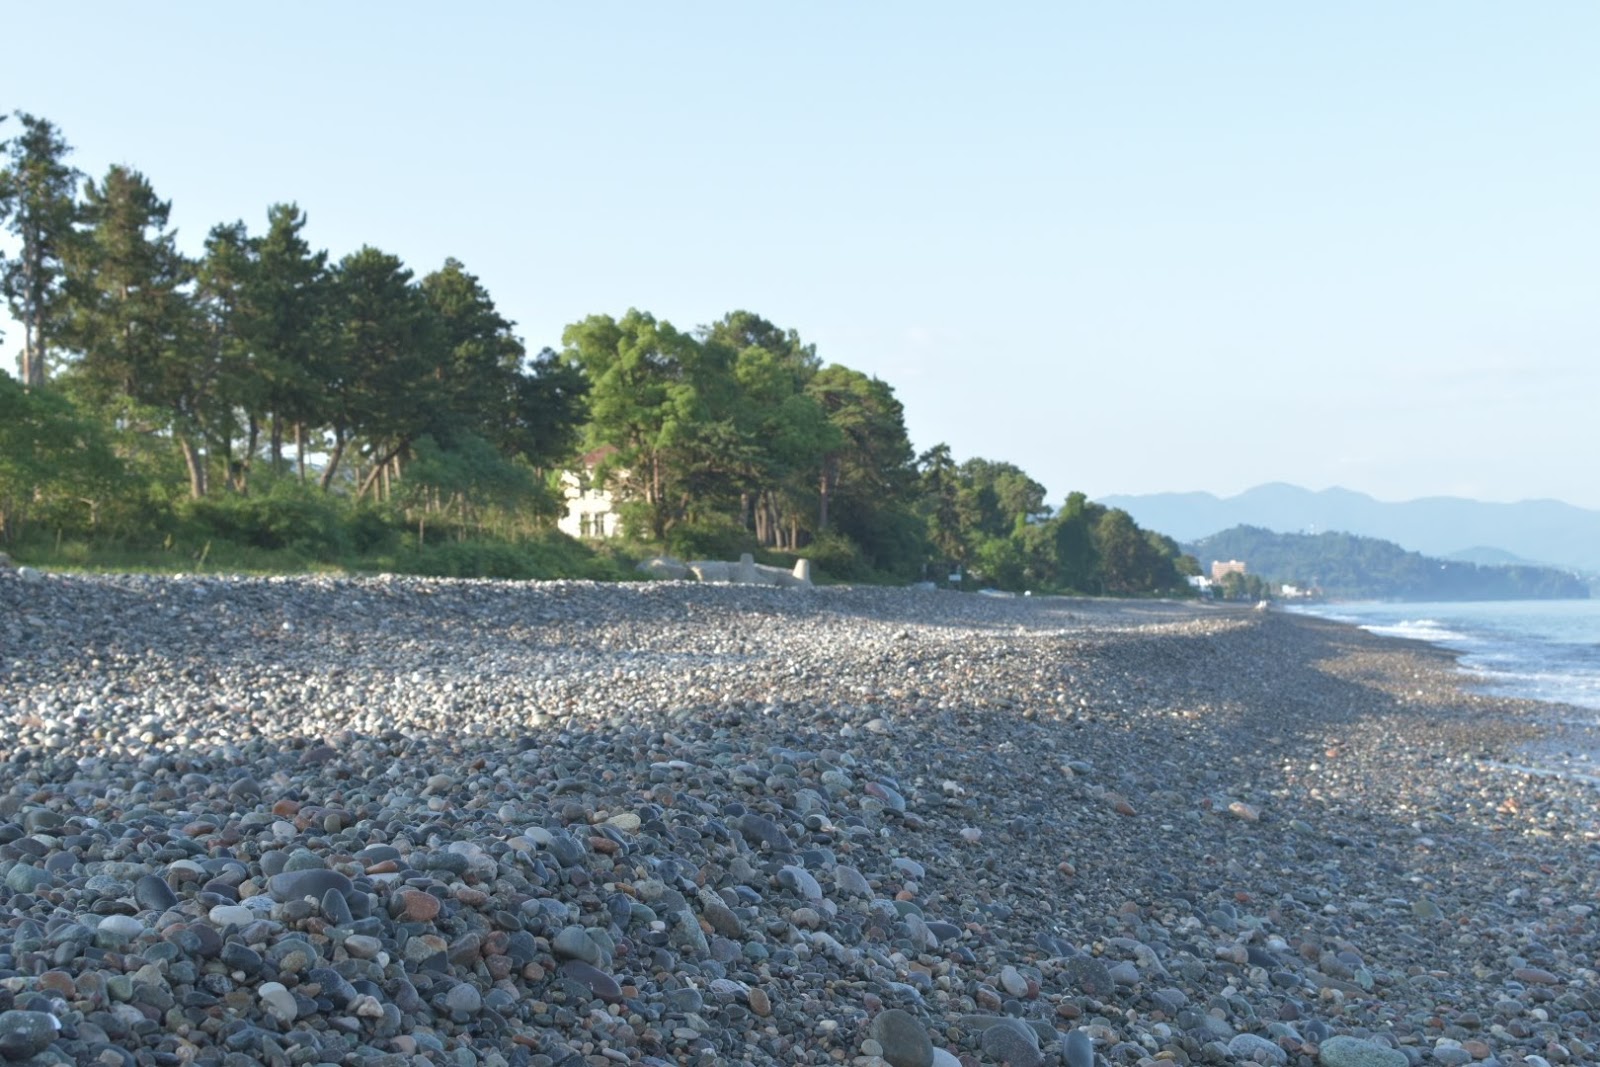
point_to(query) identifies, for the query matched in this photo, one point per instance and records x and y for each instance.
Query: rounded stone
(414, 906)
(312, 882)
(26, 1033)
(1012, 1041)
(600, 985)
(574, 943)
(1257, 1048)
(278, 1002)
(154, 893)
(905, 1043)
(1077, 1049)
(1353, 1052)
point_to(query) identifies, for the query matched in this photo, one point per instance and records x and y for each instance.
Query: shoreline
(683, 824)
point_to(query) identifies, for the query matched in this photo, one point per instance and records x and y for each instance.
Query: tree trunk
(378, 476)
(300, 449)
(32, 360)
(824, 491)
(277, 444)
(197, 467)
(252, 441)
(333, 460)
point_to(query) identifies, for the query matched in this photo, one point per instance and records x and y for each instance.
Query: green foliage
(55, 467)
(710, 538)
(291, 518)
(38, 208)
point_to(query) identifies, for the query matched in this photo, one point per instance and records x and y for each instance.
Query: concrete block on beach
(744, 571)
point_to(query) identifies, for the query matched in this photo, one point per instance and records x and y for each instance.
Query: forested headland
(1347, 567)
(263, 405)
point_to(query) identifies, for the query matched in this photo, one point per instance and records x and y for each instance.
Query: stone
(851, 882)
(27, 879)
(800, 881)
(414, 906)
(1077, 1050)
(1346, 1051)
(1258, 1049)
(278, 1002)
(1012, 1041)
(1012, 981)
(313, 882)
(1088, 975)
(600, 985)
(575, 943)
(463, 999)
(154, 893)
(26, 1033)
(904, 1041)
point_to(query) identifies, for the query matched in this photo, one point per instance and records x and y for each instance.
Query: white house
(590, 507)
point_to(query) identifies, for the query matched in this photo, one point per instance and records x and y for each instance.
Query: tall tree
(38, 202)
(1076, 552)
(382, 388)
(544, 413)
(780, 432)
(480, 352)
(941, 487)
(866, 483)
(223, 279)
(134, 319)
(647, 383)
(288, 300)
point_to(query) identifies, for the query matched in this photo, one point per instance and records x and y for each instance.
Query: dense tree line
(1350, 567)
(261, 351)
(238, 384)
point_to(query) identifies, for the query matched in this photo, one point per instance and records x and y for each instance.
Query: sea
(1539, 649)
(1545, 650)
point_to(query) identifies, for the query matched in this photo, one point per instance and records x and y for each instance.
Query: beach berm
(401, 821)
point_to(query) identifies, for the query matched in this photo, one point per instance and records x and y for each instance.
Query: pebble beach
(398, 821)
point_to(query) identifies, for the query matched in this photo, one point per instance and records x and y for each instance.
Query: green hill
(1345, 566)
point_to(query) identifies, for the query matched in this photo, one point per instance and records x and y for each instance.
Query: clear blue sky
(1128, 246)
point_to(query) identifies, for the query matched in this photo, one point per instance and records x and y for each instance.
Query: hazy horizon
(1130, 249)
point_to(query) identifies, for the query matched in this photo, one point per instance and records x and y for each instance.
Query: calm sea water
(1541, 649)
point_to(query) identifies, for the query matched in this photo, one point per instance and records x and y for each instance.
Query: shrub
(711, 539)
(288, 518)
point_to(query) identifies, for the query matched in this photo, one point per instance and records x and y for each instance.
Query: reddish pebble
(413, 905)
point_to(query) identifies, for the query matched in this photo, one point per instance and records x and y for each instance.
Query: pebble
(1013, 1042)
(901, 1039)
(1257, 1049)
(1353, 1052)
(1077, 1050)
(496, 824)
(26, 1033)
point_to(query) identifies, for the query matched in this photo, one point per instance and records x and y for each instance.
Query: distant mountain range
(1530, 531)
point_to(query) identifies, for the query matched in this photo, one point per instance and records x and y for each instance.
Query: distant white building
(591, 510)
